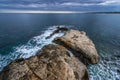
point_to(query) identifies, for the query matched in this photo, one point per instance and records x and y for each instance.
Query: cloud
(64, 3)
(23, 5)
(110, 2)
(102, 3)
(76, 4)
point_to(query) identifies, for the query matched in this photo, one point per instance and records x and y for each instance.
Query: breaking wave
(106, 69)
(31, 47)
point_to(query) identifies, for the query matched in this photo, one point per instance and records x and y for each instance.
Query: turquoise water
(21, 35)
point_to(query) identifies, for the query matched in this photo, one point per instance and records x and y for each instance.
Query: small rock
(58, 29)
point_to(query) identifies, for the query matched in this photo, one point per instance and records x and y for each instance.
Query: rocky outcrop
(52, 62)
(80, 44)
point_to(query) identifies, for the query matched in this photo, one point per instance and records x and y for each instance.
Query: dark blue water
(21, 35)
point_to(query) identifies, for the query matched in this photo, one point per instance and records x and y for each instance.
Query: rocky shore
(53, 61)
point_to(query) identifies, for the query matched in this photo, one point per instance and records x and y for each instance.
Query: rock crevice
(53, 62)
(80, 45)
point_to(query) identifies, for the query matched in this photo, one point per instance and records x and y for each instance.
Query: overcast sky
(90, 5)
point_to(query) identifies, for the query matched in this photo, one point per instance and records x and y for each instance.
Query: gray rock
(58, 29)
(80, 44)
(52, 62)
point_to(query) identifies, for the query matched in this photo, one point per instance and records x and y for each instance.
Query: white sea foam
(31, 47)
(106, 69)
(36, 43)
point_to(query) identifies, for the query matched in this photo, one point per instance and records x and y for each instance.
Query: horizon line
(38, 11)
(54, 11)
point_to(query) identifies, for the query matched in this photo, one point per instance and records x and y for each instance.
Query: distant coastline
(105, 12)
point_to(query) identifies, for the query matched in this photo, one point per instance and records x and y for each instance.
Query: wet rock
(52, 62)
(58, 29)
(80, 44)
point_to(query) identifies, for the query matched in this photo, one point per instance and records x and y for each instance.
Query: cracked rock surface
(52, 62)
(80, 44)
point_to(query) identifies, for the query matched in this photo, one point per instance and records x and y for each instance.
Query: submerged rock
(80, 44)
(58, 29)
(52, 62)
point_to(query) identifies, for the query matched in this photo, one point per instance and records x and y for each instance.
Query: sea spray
(31, 47)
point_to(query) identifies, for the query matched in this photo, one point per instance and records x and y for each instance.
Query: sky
(61, 5)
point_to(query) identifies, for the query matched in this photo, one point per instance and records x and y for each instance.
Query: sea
(23, 34)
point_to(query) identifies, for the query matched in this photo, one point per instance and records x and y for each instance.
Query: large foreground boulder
(80, 44)
(52, 62)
